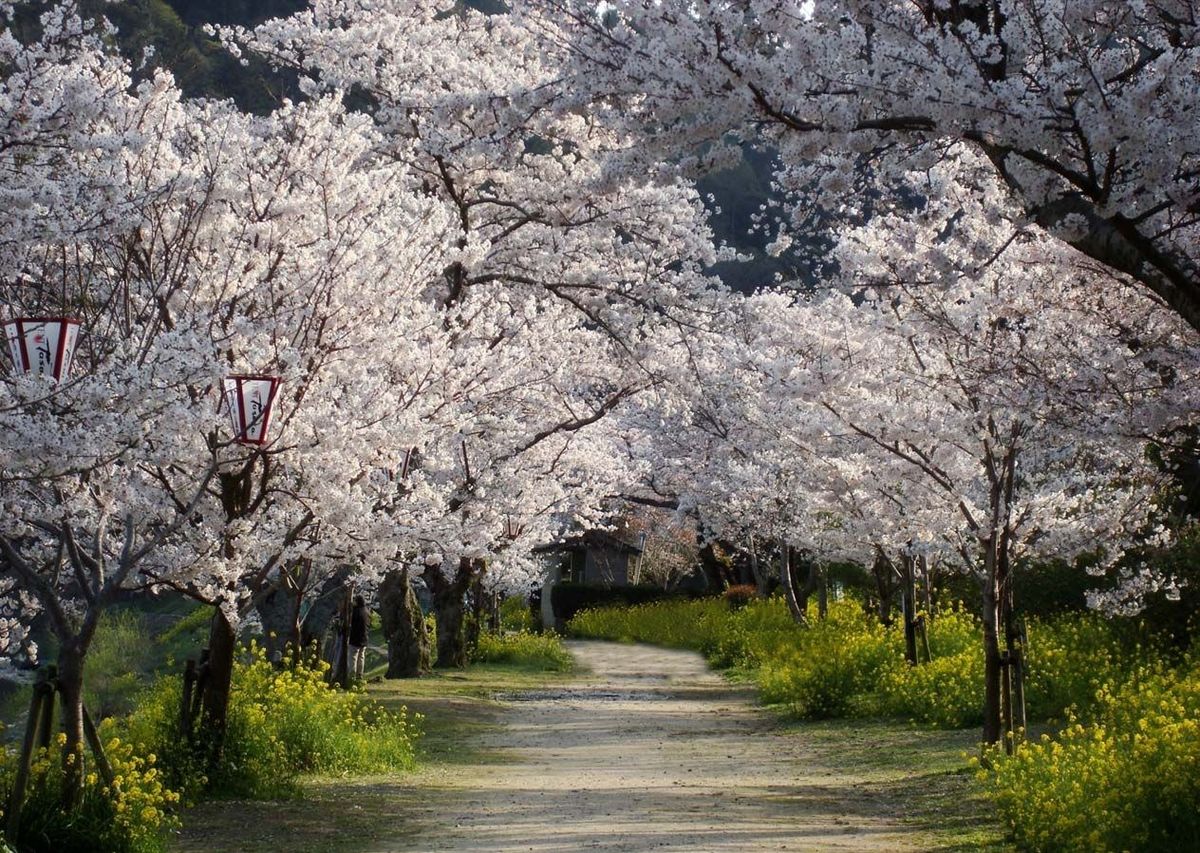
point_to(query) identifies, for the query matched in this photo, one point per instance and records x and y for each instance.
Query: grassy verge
(921, 776)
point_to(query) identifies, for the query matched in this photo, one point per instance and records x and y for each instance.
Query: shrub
(132, 815)
(832, 666)
(850, 665)
(534, 651)
(1128, 781)
(1071, 659)
(281, 723)
(679, 623)
(946, 692)
(569, 598)
(739, 595)
(515, 614)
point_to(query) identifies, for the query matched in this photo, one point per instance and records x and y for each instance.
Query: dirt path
(647, 751)
(652, 752)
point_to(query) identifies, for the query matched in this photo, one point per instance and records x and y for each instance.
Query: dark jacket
(358, 626)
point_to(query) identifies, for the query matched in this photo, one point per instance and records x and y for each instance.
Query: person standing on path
(359, 619)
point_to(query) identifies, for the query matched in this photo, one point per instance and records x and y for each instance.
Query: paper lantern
(250, 399)
(42, 345)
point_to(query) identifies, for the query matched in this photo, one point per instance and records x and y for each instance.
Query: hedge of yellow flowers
(851, 665)
(1123, 776)
(282, 723)
(541, 651)
(129, 815)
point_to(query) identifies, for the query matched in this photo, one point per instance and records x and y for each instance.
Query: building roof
(591, 540)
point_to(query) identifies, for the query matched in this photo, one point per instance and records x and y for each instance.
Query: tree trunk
(991, 662)
(277, 610)
(717, 567)
(1015, 681)
(822, 592)
(222, 646)
(449, 606)
(451, 630)
(927, 586)
(761, 574)
(474, 625)
(788, 579)
(403, 626)
(909, 598)
(70, 691)
(883, 573)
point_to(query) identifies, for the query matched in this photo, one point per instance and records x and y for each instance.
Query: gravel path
(651, 751)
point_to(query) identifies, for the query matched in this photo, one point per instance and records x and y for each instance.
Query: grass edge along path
(351, 814)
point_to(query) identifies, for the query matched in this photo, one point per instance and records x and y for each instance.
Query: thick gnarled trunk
(449, 607)
(403, 626)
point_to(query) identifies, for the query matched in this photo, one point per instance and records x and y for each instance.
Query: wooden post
(185, 704)
(93, 739)
(908, 595)
(16, 799)
(1018, 697)
(923, 626)
(1006, 695)
(45, 721)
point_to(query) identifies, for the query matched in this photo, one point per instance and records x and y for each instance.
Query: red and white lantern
(250, 399)
(42, 345)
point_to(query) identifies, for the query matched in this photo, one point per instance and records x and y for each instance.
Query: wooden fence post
(185, 704)
(45, 721)
(93, 739)
(16, 799)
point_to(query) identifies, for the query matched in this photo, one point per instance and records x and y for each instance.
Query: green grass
(922, 774)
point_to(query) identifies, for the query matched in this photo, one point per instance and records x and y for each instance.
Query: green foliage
(1129, 780)
(120, 653)
(529, 651)
(515, 614)
(282, 723)
(193, 626)
(679, 624)
(132, 815)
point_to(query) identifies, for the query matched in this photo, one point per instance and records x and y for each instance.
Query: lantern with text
(42, 345)
(250, 399)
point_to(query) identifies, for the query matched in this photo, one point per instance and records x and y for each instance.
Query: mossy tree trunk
(449, 593)
(403, 626)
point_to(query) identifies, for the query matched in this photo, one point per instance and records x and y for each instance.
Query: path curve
(651, 751)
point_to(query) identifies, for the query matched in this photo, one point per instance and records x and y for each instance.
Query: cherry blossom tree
(94, 175)
(1082, 109)
(1004, 377)
(538, 224)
